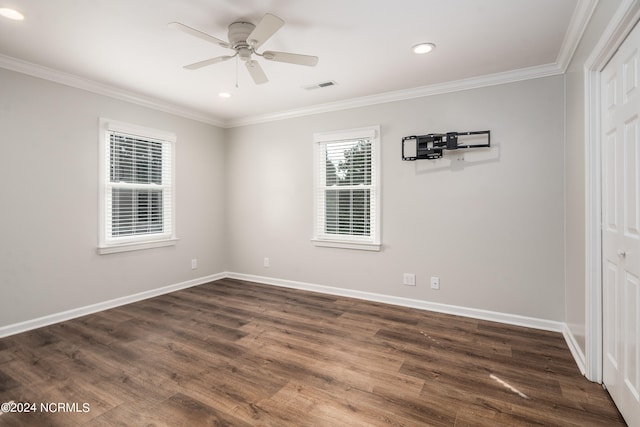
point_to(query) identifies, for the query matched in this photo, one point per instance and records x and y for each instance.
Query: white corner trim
(511, 319)
(593, 253)
(28, 325)
(575, 350)
(56, 76)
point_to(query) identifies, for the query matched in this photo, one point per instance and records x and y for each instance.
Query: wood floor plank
(235, 353)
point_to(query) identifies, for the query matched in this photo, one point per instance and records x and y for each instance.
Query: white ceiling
(124, 48)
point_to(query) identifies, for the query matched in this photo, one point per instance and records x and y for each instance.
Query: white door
(621, 227)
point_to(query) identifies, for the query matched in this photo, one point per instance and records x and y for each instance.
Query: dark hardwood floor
(234, 353)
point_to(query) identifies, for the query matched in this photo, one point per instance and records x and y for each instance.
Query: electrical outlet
(194, 264)
(409, 279)
(266, 263)
(435, 282)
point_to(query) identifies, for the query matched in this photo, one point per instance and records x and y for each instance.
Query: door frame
(619, 27)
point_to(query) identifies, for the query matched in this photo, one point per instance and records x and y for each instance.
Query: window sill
(362, 246)
(136, 246)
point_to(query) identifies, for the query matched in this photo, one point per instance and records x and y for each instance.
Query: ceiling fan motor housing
(238, 33)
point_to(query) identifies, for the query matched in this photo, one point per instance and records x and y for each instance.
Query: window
(347, 189)
(136, 187)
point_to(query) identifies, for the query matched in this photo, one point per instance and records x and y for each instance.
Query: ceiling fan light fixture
(11, 14)
(423, 48)
(244, 53)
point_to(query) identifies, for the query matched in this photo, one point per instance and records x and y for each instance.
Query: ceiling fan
(245, 38)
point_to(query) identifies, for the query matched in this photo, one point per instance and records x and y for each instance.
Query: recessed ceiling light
(423, 48)
(11, 14)
(224, 95)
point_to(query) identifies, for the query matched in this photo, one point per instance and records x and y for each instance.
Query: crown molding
(574, 33)
(39, 71)
(622, 23)
(72, 80)
(581, 17)
(405, 94)
(68, 79)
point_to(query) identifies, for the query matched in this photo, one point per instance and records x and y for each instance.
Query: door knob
(621, 253)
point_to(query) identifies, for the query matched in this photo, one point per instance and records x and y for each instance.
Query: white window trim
(373, 242)
(108, 245)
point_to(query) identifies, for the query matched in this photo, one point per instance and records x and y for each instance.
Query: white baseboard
(511, 319)
(576, 352)
(28, 325)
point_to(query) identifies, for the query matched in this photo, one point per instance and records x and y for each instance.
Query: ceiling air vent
(321, 85)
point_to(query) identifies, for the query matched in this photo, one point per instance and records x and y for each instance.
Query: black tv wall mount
(431, 146)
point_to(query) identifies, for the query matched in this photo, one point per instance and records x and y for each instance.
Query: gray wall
(504, 235)
(492, 231)
(575, 173)
(49, 199)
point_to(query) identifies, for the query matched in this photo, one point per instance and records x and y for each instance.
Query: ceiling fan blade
(257, 74)
(206, 62)
(197, 33)
(264, 30)
(291, 58)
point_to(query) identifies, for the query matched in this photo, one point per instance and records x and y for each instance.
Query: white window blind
(137, 209)
(347, 190)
